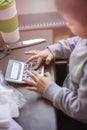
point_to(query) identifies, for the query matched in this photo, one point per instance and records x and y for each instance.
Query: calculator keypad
(30, 67)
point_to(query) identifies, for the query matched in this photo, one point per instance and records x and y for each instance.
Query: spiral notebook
(39, 21)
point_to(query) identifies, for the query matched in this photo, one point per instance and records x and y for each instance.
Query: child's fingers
(33, 52)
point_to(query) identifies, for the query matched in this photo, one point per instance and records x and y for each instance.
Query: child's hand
(39, 82)
(40, 55)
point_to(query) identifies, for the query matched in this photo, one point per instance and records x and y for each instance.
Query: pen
(25, 43)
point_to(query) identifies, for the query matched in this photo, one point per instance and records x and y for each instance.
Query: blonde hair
(76, 8)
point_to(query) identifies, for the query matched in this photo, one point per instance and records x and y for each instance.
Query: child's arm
(64, 48)
(68, 101)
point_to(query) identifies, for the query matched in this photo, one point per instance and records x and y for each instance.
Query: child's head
(75, 14)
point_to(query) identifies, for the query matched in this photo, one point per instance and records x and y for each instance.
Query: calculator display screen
(14, 72)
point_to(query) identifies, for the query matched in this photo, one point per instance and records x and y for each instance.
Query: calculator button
(33, 63)
(39, 72)
(29, 65)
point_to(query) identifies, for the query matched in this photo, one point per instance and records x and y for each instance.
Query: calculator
(16, 70)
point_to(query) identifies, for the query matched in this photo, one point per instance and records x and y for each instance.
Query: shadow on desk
(67, 123)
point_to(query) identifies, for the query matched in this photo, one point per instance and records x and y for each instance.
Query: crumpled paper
(11, 95)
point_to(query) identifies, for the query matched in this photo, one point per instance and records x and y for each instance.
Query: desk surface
(38, 113)
(18, 54)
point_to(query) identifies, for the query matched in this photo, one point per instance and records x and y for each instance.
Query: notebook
(39, 21)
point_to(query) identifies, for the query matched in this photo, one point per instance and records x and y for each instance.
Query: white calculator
(16, 70)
